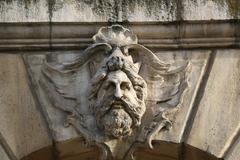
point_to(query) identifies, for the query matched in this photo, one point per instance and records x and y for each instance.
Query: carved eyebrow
(108, 84)
(111, 81)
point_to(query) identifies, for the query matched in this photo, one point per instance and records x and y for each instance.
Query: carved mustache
(112, 102)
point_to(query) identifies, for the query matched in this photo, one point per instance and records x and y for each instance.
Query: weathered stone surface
(111, 10)
(3, 154)
(114, 93)
(198, 60)
(22, 125)
(53, 115)
(116, 11)
(210, 9)
(217, 118)
(24, 11)
(87, 11)
(234, 154)
(215, 126)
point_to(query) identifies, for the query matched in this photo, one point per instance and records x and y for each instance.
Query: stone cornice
(172, 35)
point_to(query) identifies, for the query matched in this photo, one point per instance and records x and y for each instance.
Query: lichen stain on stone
(111, 10)
(104, 8)
(101, 8)
(151, 8)
(234, 8)
(232, 5)
(121, 10)
(55, 5)
(154, 6)
(26, 3)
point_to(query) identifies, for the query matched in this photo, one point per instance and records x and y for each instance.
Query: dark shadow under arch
(76, 150)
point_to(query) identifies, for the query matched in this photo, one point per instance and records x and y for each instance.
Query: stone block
(22, 125)
(217, 120)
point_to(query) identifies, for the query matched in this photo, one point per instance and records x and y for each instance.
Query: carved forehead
(118, 76)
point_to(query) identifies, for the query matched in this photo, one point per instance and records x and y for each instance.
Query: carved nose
(118, 92)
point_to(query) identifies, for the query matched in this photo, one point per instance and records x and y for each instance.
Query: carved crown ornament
(116, 93)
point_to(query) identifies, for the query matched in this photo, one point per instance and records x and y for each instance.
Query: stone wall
(211, 124)
(22, 125)
(117, 11)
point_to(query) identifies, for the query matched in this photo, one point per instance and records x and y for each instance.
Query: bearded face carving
(103, 91)
(118, 105)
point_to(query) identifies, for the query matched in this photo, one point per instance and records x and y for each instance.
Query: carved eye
(125, 86)
(108, 85)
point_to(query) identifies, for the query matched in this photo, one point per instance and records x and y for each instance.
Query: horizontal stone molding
(172, 35)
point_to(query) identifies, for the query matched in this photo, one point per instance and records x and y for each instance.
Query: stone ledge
(173, 35)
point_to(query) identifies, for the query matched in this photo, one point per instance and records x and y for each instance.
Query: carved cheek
(107, 90)
(101, 94)
(103, 91)
(131, 94)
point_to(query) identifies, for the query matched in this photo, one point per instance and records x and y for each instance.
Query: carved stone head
(117, 99)
(103, 90)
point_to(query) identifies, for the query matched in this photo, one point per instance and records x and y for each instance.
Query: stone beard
(118, 101)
